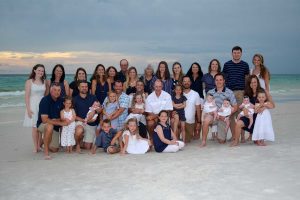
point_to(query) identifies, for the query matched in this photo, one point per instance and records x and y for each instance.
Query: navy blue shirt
(82, 106)
(235, 74)
(121, 76)
(74, 87)
(197, 85)
(101, 92)
(51, 108)
(159, 146)
(209, 81)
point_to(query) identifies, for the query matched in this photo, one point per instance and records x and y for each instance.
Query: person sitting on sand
(247, 107)
(225, 112)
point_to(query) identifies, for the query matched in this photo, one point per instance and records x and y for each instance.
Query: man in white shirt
(192, 109)
(157, 101)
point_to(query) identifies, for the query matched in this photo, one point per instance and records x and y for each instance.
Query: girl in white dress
(35, 89)
(263, 128)
(138, 104)
(133, 142)
(67, 133)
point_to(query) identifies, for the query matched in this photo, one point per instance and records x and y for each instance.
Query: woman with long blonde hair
(261, 71)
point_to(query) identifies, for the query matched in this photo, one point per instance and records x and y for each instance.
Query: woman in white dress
(35, 89)
(133, 142)
(263, 128)
(261, 71)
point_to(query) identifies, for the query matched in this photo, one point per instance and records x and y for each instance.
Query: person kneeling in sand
(107, 139)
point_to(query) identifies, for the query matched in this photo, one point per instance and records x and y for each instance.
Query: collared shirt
(235, 74)
(82, 105)
(224, 94)
(50, 107)
(167, 84)
(155, 104)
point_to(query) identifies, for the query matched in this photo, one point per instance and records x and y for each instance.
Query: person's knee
(239, 124)
(49, 128)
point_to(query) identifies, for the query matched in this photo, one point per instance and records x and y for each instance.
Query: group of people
(121, 112)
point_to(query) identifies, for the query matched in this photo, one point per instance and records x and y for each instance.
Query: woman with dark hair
(177, 74)
(58, 76)
(99, 84)
(208, 78)
(163, 74)
(147, 78)
(79, 76)
(111, 76)
(35, 90)
(195, 73)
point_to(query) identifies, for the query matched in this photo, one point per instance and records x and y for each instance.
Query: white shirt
(155, 104)
(193, 100)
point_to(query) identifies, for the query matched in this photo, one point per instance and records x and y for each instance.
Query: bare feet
(233, 144)
(243, 140)
(78, 150)
(203, 144)
(47, 157)
(249, 138)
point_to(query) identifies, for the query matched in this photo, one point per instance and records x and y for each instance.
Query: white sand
(214, 172)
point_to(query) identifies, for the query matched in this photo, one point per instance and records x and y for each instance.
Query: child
(110, 107)
(249, 107)
(67, 134)
(225, 111)
(210, 108)
(164, 139)
(138, 103)
(263, 128)
(179, 103)
(133, 142)
(92, 112)
(106, 139)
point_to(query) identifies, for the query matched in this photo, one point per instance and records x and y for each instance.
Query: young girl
(164, 139)
(179, 103)
(263, 128)
(250, 109)
(110, 107)
(225, 111)
(133, 142)
(210, 108)
(138, 103)
(67, 134)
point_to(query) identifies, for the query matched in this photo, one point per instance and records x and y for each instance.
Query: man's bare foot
(203, 144)
(233, 144)
(78, 150)
(47, 157)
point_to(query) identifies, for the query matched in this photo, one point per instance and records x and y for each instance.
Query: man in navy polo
(82, 102)
(49, 120)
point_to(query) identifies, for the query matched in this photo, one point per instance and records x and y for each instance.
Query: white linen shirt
(155, 104)
(193, 100)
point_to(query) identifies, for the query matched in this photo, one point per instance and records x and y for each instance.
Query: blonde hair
(136, 123)
(128, 78)
(134, 96)
(263, 69)
(109, 93)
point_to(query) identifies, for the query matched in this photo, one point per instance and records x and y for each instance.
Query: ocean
(284, 88)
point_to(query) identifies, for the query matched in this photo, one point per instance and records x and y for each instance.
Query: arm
(94, 84)
(55, 122)
(67, 87)
(73, 115)
(126, 138)
(27, 98)
(174, 138)
(47, 87)
(267, 82)
(162, 137)
(117, 113)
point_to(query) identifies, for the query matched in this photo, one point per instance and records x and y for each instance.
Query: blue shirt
(82, 106)
(48, 106)
(104, 139)
(197, 85)
(235, 74)
(121, 76)
(209, 81)
(160, 146)
(220, 96)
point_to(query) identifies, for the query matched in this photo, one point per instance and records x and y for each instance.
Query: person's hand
(261, 109)
(30, 113)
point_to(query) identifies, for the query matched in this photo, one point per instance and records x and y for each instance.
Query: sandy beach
(214, 172)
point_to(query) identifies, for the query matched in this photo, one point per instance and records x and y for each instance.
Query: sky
(79, 33)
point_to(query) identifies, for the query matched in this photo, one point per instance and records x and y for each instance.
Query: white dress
(139, 117)
(36, 94)
(135, 146)
(209, 107)
(226, 111)
(67, 133)
(263, 128)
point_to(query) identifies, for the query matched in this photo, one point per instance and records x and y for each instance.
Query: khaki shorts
(89, 132)
(221, 127)
(189, 131)
(55, 136)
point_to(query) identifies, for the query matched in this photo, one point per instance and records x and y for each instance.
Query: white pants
(172, 148)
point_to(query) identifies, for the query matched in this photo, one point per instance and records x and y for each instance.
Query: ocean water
(284, 88)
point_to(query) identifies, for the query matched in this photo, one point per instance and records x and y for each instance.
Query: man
(235, 72)
(192, 109)
(219, 93)
(123, 72)
(157, 101)
(49, 119)
(82, 102)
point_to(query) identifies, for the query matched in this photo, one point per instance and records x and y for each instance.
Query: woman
(208, 79)
(261, 71)
(99, 84)
(251, 90)
(131, 79)
(195, 73)
(177, 74)
(163, 74)
(35, 89)
(111, 77)
(147, 78)
(58, 76)
(79, 76)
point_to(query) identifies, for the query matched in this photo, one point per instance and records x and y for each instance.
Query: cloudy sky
(84, 33)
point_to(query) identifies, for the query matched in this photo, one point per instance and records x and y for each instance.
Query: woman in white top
(35, 89)
(261, 71)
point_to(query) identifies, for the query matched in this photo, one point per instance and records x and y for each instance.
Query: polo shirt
(49, 106)
(224, 94)
(235, 74)
(82, 106)
(155, 104)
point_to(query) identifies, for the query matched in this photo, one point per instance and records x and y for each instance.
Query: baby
(92, 112)
(210, 106)
(249, 107)
(225, 111)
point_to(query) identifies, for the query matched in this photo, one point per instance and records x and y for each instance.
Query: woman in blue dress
(99, 84)
(58, 76)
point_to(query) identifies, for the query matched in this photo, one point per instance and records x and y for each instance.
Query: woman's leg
(35, 139)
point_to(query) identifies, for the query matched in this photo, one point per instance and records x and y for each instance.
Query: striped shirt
(220, 96)
(235, 74)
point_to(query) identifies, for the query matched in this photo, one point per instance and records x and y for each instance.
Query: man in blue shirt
(49, 120)
(235, 72)
(82, 103)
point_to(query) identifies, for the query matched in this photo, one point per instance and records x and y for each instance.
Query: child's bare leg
(182, 130)
(71, 149)
(93, 149)
(250, 121)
